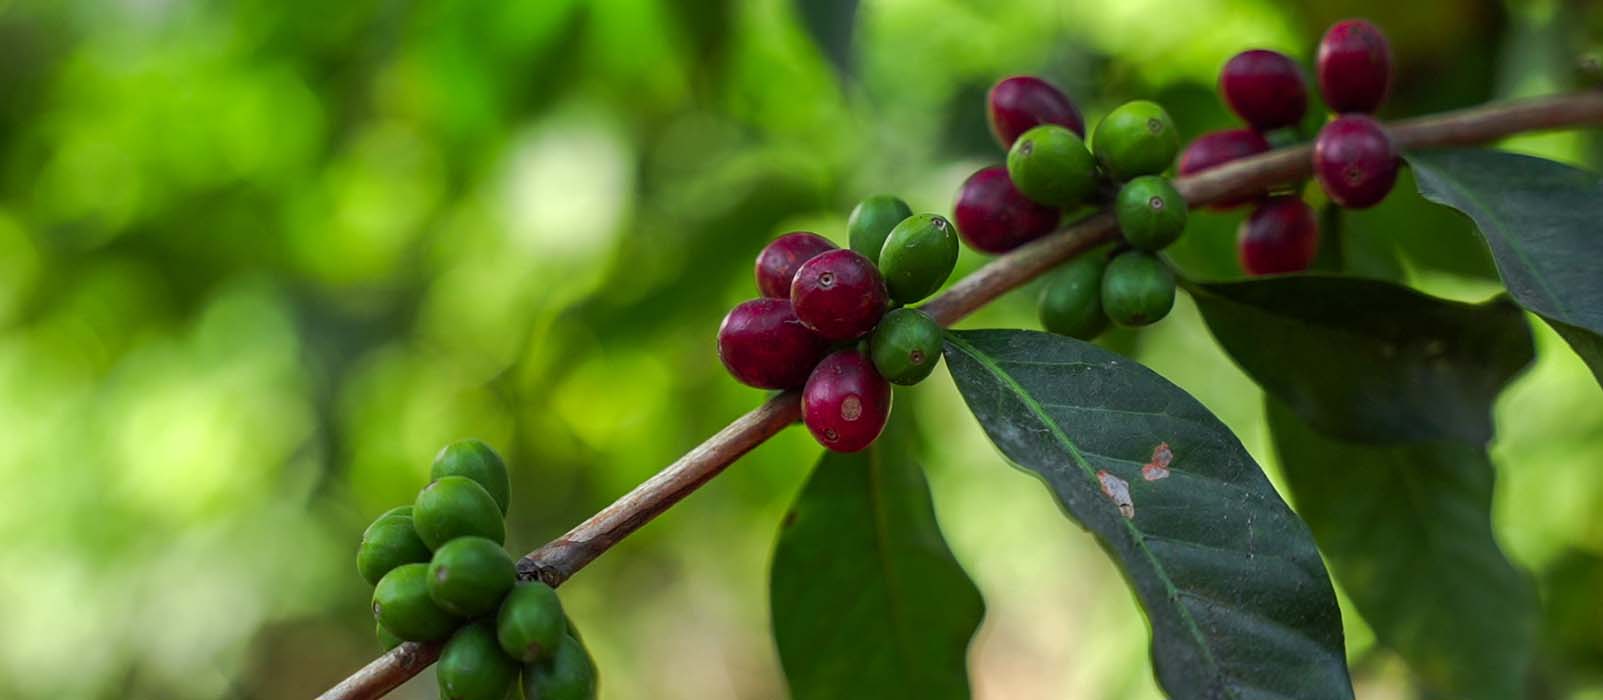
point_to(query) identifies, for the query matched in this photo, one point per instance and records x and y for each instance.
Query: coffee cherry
(569, 674)
(1355, 162)
(1137, 289)
(531, 623)
(389, 542)
(1220, 147)
(1052, 166)
(1022, 102)
(402, 605)
(1071, 300)
(1354, 66)
(918, 256)
(871, 221)
(456, 506)
(778, 261)
(1264, 88)
(846, 403)
(1282, 235)
(469, 575)
(906, 346)
(1137, 138)
(994, 217)
(1151, 212)
(840, 295)
(763, 344)
(477, 461)
(386, 639)
(472, 667)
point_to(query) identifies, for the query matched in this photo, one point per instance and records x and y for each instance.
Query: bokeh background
(260, 259)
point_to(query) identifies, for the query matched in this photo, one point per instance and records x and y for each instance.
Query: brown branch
(555, 562)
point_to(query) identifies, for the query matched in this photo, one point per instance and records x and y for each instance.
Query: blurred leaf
(1540, 219)
(1371, 361)
(1238, 599)
(1408, 531)
(867, 599)
(1573, 629)
(830, 24)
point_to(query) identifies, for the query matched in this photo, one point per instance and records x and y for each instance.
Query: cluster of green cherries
(440, 573)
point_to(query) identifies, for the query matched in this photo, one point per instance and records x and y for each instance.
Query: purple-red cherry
(992, 216)
(840, 294)
(846, 402)
(1264, 88)
(764, 345)
(1022, 102)
(1355, 66)
(778, 261)
(1281, 235)
(1354, 161)
(1219, 147)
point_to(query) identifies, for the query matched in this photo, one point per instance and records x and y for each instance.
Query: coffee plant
(1378, 397)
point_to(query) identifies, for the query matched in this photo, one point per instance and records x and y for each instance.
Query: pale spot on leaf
(1118, 491)
(1158, 467)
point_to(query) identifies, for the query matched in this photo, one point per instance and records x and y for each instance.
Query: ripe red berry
(840, 295)
(1220, 147)
(764, 345)
(778, 261)
(1354, 161)
(846, 403)
(1022, 102)
(992, 216)
(1354, 66)
(1264, 88)
(1282, 235)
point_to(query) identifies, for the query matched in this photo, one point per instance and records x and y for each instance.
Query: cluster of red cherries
(1354, 160)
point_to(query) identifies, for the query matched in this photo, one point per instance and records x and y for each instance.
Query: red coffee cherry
(764, 345)
(846, 403)
(992, 216)
(840, 295)
(1217, 148)
(1354, 161)
(1282, 235)
(1354, 66)
(777, 263)
(1023, 101)
(1264, 88)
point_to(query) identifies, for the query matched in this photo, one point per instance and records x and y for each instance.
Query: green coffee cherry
(569, 674)
(1071, 300)
(456, 506)
(1051, 166)
(1151, 212)
(872, 220)
(475, 460)
(918, 256)
(401, 603)
(906, 346)
(472, 667)
(531, 623)
(386, 639)
(387, 543)
(469, 575)
(1137, 289)
(1138, 138)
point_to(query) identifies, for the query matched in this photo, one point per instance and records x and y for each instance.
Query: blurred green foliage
(260, 259)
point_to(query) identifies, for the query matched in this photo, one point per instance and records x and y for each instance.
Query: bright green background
(260, 259)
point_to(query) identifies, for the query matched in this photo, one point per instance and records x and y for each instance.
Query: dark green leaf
(867, 600)
(830, 23)
(1371, 361)
(1540, 219)
(1238, 599)
(1408, 532)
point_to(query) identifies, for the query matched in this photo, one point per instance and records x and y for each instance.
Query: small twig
(560, 559)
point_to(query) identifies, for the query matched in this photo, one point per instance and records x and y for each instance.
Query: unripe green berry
(469, 575)
(569, 674)
(1138, 138)
(1051, 166)
(472, 667)
(401, 603)
(872, 220)
(1151, 212)
(477, 461)
(389, 542)
(1071, 300)
(1137, 289)
(918, 256)
(386, 639)
(456, 506)
(531, 623)
(906, 346)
